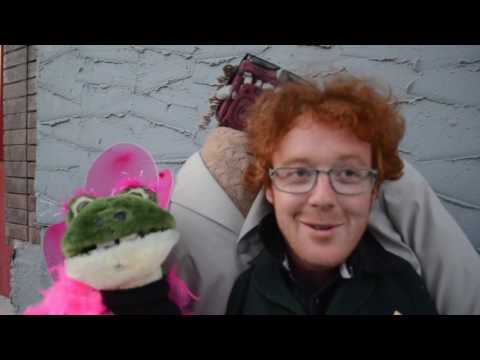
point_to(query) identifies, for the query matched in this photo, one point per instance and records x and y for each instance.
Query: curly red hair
(344, 101)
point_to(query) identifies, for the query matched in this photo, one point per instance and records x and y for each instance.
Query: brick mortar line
(27, 46)
(13, 50)
(16, 81)
(19, 97)
(16, 65)
(30, 226)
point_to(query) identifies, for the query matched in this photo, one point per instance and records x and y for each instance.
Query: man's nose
(322, 195)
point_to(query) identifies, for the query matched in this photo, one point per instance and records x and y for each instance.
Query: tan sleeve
(226, 157)
(409, 220)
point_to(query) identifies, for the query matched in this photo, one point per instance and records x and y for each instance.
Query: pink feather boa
(71, 297)
(68, 297)
(179, 293)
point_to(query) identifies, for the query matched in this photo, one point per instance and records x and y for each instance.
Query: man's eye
(301, 173)
(348, 174)
(79, 204)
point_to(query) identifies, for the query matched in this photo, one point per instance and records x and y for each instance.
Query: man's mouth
(324, 227)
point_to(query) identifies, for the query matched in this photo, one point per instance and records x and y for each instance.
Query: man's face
(321, 227)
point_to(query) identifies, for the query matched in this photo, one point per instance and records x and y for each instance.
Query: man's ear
(269, 194)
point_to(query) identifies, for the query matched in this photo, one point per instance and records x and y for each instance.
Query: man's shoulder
(392, 267)
(239, 293)
(383, 259)
(197, 192)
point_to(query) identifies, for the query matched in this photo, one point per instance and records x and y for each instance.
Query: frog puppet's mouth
(88, 250)
(123, 263)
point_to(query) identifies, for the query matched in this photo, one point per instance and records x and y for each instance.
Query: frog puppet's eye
(142, 193)
(79, 203)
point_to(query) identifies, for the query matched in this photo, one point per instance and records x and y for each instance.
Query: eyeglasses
(344, 181)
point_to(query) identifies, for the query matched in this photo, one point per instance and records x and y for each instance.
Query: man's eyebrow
(294, 160)
(308, 162)
(351, 157)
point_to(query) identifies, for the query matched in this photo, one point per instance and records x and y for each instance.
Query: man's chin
(327, 255)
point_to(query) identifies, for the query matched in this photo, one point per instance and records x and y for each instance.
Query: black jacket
(382, 283)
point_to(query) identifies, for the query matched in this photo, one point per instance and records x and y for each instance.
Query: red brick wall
(19, 142)
(5, 250)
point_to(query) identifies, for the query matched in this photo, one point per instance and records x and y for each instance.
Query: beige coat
(217, 241)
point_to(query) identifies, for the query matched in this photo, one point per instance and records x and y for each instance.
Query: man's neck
(311, 277)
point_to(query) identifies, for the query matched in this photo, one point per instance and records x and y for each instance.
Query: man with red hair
(337, 226)
(321, 155)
